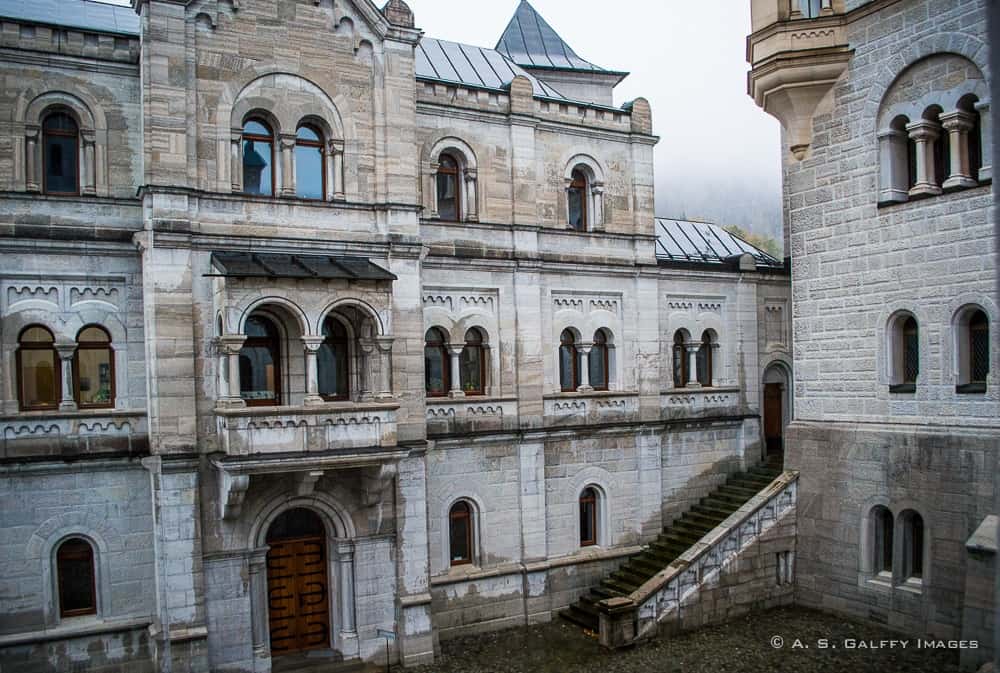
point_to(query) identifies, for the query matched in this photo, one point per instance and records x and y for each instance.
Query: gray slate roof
(703, 243)
(84, 14)
(530, 41)
(477, 67)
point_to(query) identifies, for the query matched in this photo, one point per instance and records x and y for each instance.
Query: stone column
(455, 350)
(339, 192)
(471, 204)
(66, 351)
(985, 140)
(597, 203)
(88, 182)
(331, 173)
(957, 124)
(924, 133)
(692, 350)
(222, 370)
(367, 347)
(583, 351)
(311, 345)
(230, 345)
(236, 159)
(345, 553)
(287, 145)
(31, 180)
(384, 344)
(894, 165)
(257, 562)
(433, 215)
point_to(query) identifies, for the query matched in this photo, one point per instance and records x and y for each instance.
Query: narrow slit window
(588, 517)
(449, 198)
(460, 533)
(61, 154)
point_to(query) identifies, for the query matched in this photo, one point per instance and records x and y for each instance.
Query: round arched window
(258, 158)
(94, 368)
(60, 154)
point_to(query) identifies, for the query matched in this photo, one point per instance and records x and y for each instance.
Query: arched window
(704, 360)
(680, 360)
(310, 168)
(94, 369)
(472, 363)
(449, 196)
(906, 355)
(569, 378)
(75, 578)
(260, 363)
(437, 364)
(38, 369)
(882, 541)
(912, 545)
(979, 348)
(911, 351)
(577, 200)
(588, 517)
(331, 361)
(61, 154)
(460, 533)
(258, 158)
(598, 361)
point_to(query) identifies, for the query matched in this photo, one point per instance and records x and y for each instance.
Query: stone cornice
(46, 59)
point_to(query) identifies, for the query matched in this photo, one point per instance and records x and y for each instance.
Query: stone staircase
(673, 541)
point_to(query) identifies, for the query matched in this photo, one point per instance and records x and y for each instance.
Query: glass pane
(75, 562)
(38, 378)
(447, 195)
(256, 128)
(566, 378)
(434, 380)
(680, 380)
(810, 8)
(61, 164)
(258, 373)
(256, 328)
(702, 359)
(296, 523)
(979, 351)
(331, 361)
(309, 172)
(470, 363)
(36, 335)
(911, 357)
(598, 374)
(586, 520)
(59, 122)
(306, 133)
(257, 167)
(459, 538)
(94, 372)
(93, 334)
(576, 208)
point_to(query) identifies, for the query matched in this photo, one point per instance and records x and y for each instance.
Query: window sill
(971, 389)
(307, 410)
(54, 414)
(903, 388)
(75, 627)
(590, 393)
(923, 197)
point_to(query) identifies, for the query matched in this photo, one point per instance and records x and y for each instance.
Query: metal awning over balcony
(272, 265)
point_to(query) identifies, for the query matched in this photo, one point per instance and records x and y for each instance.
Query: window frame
(481, 349)
(257, 138)
(93, 345)
(578, 181)
(258, 342)
(706, 360)
(575, 359)
(46, 133)
(977, 326)
(455, 174)
(913, 544)
(345, 343)
(601, 345)
(57, 369)
(680, 346)
(904, 335)
(442, 346)
(91, 556)
(589, 496)
(301, 142)
(470, 537)
(883, 541)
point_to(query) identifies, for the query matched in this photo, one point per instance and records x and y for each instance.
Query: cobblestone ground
(740, 646)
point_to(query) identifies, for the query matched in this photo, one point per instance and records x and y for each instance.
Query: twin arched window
(260, 363)
(60, 154)
(471, 364)
(39, 369)
(598, 372)
(460, 533)
(259, 174)
(76, 578)
(704, 360)
(893, 558)
(449, 194)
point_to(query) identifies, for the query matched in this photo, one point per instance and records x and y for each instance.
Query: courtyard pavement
(744, 645)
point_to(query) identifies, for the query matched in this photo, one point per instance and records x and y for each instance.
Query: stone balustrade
(73, 432)
(591, 407)
(699, 402)
(470, 414)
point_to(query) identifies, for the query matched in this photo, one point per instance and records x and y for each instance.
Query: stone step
(578, 617)
(619, 585)
(711, 518)
(692, 527)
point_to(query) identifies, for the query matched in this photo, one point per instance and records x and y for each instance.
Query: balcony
(591, 408)
(61, 434)
(797, 52)
(679, 403)
(446, 416)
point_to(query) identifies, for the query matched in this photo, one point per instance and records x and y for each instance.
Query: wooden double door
(298, 592)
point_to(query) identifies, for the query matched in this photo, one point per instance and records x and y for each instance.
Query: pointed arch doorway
(298, 582)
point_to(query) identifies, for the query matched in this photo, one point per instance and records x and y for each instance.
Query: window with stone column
(452, 182)
(584, 195)
(61, 147)
(39, 371)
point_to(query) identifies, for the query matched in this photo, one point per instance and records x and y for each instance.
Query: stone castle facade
(315, 327)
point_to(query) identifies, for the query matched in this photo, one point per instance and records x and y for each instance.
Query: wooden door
(773, 414)
(298, 603)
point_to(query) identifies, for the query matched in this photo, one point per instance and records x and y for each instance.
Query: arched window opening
(460, 533)
(332, 361)
(472, 364)
(76, 578)
(61, 154)
(598, 361)
(258, 158)
(94, 369)
(882, 541)
(680, 360)
(588, 517)
(912, 546)
(310, 168)
(577, 200)
(38, 369)
(449, 196)
(905, 356)
(295, 524)
(569, 378)
(704, 360)
(437, 364)
(979, 348)
(260, 363)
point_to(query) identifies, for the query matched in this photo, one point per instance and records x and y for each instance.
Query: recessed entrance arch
(777, 408)
(298, 582)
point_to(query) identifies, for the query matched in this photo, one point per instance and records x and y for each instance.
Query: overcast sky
(718, 157)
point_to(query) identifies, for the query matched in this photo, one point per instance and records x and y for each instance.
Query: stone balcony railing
(700, 402)
(65, 433)
(470, 414)
(591, 407)
(338, 425)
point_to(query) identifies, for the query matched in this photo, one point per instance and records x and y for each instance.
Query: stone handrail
(629, 618)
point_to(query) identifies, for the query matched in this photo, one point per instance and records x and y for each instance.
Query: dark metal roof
(703, 243)
(476, 67)
(83, 14)
(320, 267)
(530, 41)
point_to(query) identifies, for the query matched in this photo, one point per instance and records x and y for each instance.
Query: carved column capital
(287, 141)
(32, 131)
(231, 344)
(312, 343)
(384, 343)
(924, 130)
(957, 120)
(65, 349)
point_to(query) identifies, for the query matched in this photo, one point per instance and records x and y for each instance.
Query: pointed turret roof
(531, 42)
